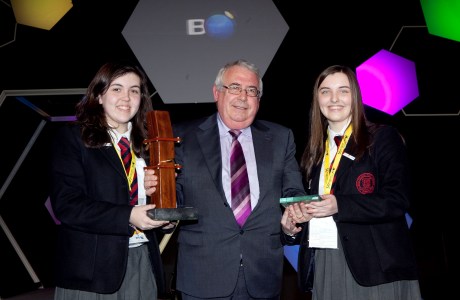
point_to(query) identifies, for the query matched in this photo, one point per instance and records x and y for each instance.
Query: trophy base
(173, 214)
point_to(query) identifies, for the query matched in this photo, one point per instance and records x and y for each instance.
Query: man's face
(237, 111)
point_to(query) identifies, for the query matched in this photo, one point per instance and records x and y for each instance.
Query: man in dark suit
(218, 258)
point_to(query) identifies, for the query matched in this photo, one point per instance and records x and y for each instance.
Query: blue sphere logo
(220, 26)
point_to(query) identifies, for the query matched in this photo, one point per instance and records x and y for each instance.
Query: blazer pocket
(77, 250)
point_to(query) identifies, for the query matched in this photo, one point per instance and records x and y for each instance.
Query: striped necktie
(126, 157)
(241, 196)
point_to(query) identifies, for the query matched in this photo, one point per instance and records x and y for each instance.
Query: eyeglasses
(236, 90)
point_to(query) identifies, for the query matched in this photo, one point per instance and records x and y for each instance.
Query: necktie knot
(337, 139)
(124, 144)
(235, 133)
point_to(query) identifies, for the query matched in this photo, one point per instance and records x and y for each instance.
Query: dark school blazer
(90, 196)
(373, 197)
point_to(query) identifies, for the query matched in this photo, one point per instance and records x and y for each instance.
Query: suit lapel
(111, 155)
(209, 140)
(345, 162)
(263, 148)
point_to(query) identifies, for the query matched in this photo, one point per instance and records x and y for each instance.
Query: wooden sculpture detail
(161, 147)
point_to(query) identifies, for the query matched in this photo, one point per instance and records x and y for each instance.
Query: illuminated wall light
(43, 14)
(442, 18)
(388, 82)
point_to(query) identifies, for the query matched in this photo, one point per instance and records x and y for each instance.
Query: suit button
(241, 231)
(345, 238)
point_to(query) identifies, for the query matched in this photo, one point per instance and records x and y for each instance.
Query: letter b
(195, 27)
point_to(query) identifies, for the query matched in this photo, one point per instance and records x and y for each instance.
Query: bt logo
(216, 26)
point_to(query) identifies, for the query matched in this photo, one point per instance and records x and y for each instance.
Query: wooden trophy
(161, 147)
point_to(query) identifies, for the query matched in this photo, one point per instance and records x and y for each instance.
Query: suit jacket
(90, 196)
(209, 249)
(372, 197)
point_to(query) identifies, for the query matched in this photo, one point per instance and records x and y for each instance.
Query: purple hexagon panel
(388, 82)
(182, 44)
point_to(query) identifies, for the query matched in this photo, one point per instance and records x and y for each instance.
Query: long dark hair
(91, 116)
(314, 151)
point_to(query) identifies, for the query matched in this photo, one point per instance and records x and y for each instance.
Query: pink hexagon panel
(388, 82)
(182, 44)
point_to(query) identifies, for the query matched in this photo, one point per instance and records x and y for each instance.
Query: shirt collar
(332, 133)
(224, 130)
(116, 136)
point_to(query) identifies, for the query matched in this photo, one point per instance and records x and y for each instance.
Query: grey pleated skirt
(333, 281)
(138, 284)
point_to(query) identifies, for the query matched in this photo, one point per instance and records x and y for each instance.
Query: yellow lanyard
(132, 168)
(329, 170)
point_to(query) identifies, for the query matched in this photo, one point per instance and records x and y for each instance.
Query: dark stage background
(323, 33)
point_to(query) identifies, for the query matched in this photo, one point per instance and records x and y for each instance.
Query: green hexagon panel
(182, 44)
(442, 18)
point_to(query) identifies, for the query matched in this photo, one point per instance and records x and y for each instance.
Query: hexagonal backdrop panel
(388, 82)
(43, 14)
(432, 56)
(7, 24)
(182, 44)
(442, 18)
